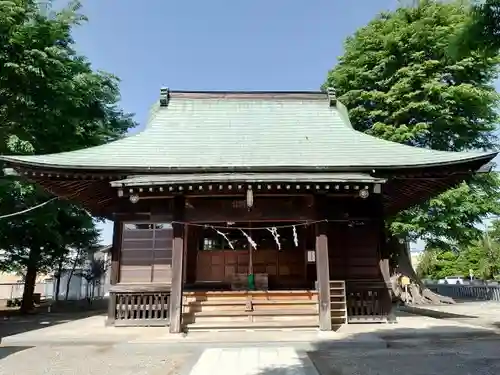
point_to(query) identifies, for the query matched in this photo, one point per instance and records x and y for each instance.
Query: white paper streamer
(295, 237)
(252, 242)
(276, 236)
(225, 237)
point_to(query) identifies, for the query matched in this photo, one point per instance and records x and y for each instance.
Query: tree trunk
(71, 272)
(58, 279)
(29, 286)
(87, 292)
(416, 293)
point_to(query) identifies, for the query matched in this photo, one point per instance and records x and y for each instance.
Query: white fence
(477, 292)
(77, 289)
(15, 290)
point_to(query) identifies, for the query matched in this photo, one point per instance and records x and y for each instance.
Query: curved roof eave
(14, 161)
(247, 131)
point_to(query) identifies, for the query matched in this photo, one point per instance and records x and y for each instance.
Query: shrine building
(249, 210)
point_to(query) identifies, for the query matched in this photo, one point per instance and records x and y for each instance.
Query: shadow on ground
(12, 323)
(9, 350)
(435, 314)
(435, 350)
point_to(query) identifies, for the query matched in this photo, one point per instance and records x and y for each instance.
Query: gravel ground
(91, 360)
(480, 357)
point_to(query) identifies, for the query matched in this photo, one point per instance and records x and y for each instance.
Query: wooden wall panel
(146, 255)
(220, 265)
(284, 268)
(234, 209)
(353, 252)
(192, 242)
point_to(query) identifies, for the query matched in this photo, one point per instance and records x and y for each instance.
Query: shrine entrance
(249, 274)
(225, 254)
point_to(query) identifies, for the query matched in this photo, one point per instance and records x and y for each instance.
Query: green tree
(437, 264)
(400, 84)
(493, 230)
(481, 32)
(426, 264)
(50, 101)
(482, 258)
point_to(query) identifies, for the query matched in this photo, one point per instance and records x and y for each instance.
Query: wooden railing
(368, 301)
(139, 305)
(475, 292)
(338, 306)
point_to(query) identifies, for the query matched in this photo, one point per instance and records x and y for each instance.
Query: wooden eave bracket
(486, 168)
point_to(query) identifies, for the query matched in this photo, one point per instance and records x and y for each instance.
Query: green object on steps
(251, 281)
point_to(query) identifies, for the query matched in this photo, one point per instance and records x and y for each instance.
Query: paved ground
(471, 357)
(91, 331)
(417, 345)
(479, 313)
(91, 360)
(253, 361)
(452, 357)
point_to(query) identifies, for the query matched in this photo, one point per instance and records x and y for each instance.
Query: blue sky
(217, 44)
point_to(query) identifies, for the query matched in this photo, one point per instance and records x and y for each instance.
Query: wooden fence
(139, 305)
(367, 301)
(476, 292)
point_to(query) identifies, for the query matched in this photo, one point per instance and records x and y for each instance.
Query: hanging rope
(28, 209)
(305, 223)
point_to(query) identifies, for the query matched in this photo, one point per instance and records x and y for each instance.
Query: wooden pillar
(323, 268)
(177, 266)
(384, 265)
(185, 255)
(115, 268)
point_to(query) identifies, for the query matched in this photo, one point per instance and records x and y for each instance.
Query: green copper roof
(209, 131)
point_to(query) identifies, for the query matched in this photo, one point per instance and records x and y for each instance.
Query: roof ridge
(167, 94)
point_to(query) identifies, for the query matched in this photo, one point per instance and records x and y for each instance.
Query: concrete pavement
(92, 331)
(477, 313)
(87, 347)
(457, 357)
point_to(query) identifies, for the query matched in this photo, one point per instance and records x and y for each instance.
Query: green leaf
(400, 83)
(52, 101)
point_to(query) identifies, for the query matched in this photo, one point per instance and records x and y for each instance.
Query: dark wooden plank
(186, 259)
(115, 269)
(142, 323)
(177, 267)
(139, 288)
(115, 252)
(385, 297)
(234, 209)
(323, 270)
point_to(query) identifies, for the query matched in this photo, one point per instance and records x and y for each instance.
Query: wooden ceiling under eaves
(401, 191)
